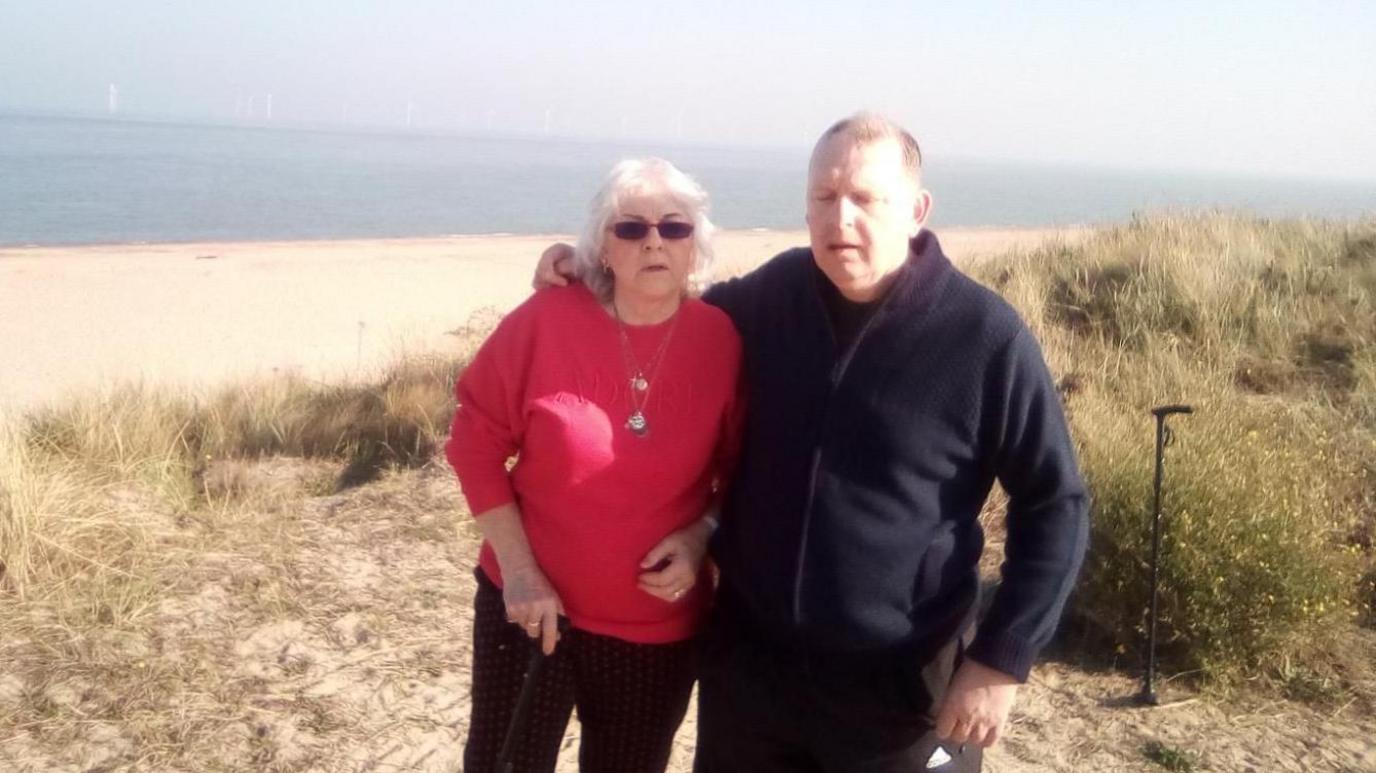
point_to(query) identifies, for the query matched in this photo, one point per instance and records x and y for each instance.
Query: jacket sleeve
(1047, 522)
(742, 295)
(488, 423)
(731, 296)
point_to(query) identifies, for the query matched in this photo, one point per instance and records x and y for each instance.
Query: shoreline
(198, 314)
(19, 250)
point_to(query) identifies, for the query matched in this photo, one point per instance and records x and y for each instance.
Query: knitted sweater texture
(551, 388)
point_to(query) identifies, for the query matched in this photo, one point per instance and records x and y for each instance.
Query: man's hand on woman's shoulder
(555, 268)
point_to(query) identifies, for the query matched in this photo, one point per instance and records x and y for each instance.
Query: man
(887, 392)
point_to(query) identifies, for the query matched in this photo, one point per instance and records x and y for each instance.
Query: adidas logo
(939, 757)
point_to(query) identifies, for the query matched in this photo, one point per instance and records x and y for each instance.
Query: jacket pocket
(927, 584)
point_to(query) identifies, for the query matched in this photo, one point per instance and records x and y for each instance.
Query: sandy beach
(79, 318)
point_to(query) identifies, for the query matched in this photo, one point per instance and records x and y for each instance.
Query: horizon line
(394, 130)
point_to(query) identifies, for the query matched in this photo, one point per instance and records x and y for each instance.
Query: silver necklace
(641, 378)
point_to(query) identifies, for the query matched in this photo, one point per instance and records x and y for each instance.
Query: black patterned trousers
(630, 697)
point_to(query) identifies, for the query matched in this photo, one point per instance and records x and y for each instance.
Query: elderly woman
(618, 399)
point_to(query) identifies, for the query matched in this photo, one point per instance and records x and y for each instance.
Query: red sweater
(550, 386)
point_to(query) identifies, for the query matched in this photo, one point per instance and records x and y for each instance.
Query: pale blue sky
(1261, 87)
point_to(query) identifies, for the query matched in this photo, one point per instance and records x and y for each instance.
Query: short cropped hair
(866, 127)
(641, 176)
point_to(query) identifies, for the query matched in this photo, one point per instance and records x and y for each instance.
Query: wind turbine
(113, 99)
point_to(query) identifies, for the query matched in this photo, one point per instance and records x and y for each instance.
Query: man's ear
(922, 208)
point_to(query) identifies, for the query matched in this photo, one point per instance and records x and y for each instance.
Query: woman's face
(650, 267)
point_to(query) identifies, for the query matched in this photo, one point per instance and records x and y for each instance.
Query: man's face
(862, 208)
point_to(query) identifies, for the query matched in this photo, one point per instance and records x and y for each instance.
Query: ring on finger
(533, 624)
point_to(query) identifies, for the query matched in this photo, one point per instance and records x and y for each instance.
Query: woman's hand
(531, 601)
(533, 604)
(671, 568)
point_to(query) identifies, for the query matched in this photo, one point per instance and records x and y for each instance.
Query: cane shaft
(1148, 684)
(506, 760)
(1161, 413)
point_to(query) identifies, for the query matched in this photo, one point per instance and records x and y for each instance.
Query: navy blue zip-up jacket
(852, 525)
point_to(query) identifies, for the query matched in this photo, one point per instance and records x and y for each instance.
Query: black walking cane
(506, 760)
(1163, 438)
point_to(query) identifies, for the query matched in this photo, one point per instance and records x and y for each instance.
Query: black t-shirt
(848, 317)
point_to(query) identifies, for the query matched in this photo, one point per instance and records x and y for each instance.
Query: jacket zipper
(838, 372)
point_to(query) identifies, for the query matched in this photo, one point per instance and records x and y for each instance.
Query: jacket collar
(921, 277)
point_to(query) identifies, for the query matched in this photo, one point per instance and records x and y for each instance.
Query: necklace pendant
(639, 383)
(637, 424)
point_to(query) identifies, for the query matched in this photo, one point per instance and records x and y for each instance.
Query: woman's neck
(639, 310)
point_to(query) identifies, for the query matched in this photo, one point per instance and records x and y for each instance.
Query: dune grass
(62, 467)
(113, 505)
(1268, 328)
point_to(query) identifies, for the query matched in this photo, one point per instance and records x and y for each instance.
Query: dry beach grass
(275, 574)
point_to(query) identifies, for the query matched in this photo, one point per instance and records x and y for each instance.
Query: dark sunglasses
(635, 230)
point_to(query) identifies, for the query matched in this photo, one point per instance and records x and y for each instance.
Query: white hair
(640, 176)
